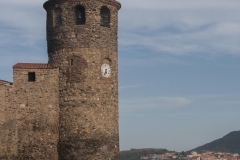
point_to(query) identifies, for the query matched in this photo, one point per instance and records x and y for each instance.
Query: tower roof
(52, 2)
(34, 66)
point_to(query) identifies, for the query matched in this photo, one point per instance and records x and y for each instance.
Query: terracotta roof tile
(2, 82)
(34, 66)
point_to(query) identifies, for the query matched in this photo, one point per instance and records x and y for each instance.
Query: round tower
(82, 41)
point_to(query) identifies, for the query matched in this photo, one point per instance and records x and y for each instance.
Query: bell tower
(82, 42)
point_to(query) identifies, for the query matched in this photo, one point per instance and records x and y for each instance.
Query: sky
(179, 70)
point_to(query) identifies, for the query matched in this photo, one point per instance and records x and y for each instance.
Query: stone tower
(82, 42)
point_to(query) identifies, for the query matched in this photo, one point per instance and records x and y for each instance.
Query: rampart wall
(29, 114)
(38, 113)
(8, 122)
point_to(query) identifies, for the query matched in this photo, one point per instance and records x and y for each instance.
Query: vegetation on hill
(229, 143)
(135, 154)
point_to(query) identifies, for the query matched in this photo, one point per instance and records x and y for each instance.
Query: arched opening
(105, 16)
(80, 15)
(58, 16)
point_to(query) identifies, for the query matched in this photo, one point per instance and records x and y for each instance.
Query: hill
(135, 154)
(229, 143)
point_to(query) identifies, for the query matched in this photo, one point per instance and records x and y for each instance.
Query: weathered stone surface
(69, 112)
(37, 106)
(88, 102)
(8, 123)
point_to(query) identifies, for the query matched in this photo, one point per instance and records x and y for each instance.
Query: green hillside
(229, 143)
(135, 154)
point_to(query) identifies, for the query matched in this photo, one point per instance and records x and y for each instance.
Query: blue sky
(179, 70)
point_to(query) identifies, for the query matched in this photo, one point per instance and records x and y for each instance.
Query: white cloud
(176, 4)
(188, 27)
(173, 27)
(157, 102)
(22, 28)
(22, 23)
(174, 101)
(206, 104)
(22, 14)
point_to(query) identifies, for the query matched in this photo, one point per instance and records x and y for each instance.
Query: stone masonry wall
(8, 124)
(88, 126)
(37, 106)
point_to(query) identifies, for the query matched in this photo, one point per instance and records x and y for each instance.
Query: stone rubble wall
(8, 124)
(70, 112)
(88, 102)
(37, 106)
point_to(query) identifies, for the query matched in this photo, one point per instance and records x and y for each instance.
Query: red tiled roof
(34, 66)
(2, 82)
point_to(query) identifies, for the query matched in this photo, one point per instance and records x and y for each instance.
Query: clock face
(105, 69)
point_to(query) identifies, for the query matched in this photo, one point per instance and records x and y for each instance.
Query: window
(71, 62)
(31, 77)
(58, 17)
(80, 15)
(105, 16)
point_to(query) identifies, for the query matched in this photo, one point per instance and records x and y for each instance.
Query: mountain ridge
(228, 143)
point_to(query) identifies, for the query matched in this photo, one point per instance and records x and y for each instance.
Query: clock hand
(105, 71)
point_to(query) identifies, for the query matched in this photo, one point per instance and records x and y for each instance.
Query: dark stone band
(50, 3)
